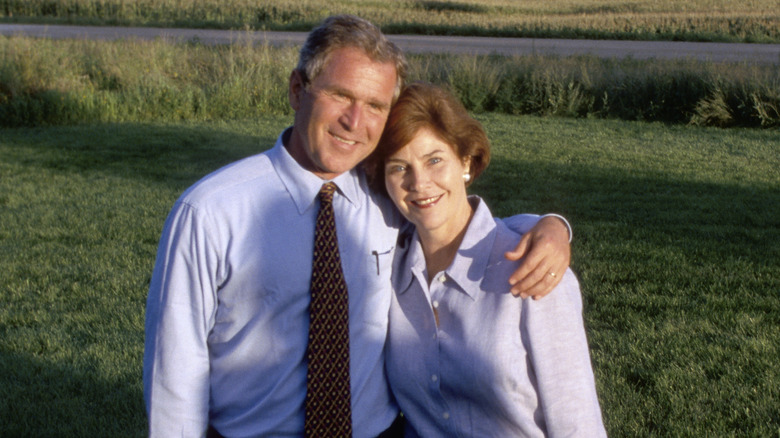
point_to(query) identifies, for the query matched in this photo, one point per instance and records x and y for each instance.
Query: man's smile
(344, 140)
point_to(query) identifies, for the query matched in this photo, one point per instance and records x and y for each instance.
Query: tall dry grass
(57, 82)
(685, 91)
(65, 81)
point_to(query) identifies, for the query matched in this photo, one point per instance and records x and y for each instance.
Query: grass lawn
(676, 232)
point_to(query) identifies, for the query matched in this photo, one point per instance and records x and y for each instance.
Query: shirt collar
(409, 259)
(303, 186)
(467, 269)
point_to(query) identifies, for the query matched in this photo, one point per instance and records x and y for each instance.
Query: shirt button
(434, 377)
(445, 415)
(442, 278)
(435, 304)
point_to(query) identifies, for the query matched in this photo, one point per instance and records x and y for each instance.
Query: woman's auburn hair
(426, 106)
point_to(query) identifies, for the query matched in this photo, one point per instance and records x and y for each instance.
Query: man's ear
(297, 87)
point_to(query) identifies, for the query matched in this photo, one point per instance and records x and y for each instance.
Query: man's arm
(546, 253)
(179, 311)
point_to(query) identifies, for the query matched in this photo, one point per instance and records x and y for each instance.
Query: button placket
(438, 288)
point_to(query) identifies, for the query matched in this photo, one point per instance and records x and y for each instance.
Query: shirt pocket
(381, 262)
(376, 286)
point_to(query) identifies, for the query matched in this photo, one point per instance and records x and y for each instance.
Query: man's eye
(340, 97)
(376, 108)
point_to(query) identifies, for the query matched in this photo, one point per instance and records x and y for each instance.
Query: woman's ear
(467, 164)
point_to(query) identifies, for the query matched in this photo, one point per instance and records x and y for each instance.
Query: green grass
(81, 210)
(676, 232)
(676, 245)
(689, 20)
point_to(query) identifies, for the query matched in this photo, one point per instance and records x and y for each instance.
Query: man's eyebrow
(346, 92)
(334, 89)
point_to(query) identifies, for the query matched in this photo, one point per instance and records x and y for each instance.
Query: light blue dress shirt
(227, 312)
(495, 366)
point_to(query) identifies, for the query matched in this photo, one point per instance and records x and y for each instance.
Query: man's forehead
(353, 72)
(337, 55)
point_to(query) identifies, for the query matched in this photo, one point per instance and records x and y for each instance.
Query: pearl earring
(466, 177)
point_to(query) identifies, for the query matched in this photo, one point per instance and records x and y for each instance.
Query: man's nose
(352, 116)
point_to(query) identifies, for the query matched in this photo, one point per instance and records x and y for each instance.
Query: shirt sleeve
(179, 313)
(554, 333)
(522, 223)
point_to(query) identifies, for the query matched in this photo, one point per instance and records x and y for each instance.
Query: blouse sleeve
(553, 331)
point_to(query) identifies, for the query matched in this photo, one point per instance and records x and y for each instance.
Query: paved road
(718, 52)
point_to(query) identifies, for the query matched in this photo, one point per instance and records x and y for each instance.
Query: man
(227, 318)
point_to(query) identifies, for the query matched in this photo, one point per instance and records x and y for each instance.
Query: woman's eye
(395, 169)
(435, 160)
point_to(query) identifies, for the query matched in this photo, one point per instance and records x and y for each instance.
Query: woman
(456, 365)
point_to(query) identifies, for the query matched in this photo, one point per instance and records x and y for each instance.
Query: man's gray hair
(340, 31)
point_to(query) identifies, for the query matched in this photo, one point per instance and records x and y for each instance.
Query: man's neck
(296, 150)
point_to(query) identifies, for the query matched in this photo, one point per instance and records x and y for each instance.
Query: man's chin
(330, 172)
(337, 168)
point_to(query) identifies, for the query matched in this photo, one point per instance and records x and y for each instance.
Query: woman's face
(425, 181)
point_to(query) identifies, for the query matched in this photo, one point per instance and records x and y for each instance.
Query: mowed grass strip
(676, 232)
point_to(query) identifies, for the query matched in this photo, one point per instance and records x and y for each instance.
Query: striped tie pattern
(328, 410)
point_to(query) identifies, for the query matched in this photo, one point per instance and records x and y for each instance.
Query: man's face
(340, 116)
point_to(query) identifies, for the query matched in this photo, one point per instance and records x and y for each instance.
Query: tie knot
(327, 190)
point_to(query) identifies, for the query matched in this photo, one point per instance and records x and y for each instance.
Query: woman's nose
(417, 180)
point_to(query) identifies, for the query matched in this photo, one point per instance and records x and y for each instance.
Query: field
(676, 232)
(668, 171)
(689, 20)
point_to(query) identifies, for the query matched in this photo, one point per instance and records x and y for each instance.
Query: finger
(521, 249)
(531, 265)
(530, 272)
(546, 275)
(526, 285)
(544, 287)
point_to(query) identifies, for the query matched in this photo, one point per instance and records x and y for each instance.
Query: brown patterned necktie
(328, 410)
